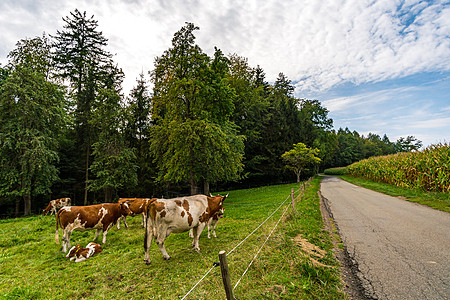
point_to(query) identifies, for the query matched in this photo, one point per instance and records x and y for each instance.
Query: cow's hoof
(147, 262)
(166, 257)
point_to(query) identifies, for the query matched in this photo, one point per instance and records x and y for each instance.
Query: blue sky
(380, 66)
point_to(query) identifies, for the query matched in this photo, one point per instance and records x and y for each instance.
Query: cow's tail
(57, 226)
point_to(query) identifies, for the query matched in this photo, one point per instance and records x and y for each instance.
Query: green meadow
(295, 262)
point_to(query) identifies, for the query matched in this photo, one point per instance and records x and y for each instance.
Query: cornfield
(427, 170)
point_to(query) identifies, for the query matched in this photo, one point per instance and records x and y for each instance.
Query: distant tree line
(67, 130)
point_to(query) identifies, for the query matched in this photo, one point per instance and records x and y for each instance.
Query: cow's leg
(105, 232)
(97, 233)
(118, 222)
(160, 241)
(148, 240)
(191, 233)
(125, 221)
(80, 259)
(104, 236)
(143, 220)
(66, 239)
(197, 234)
(209, 230)
(214, 228)
(162, 233)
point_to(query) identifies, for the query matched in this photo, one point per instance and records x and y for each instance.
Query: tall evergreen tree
(138, 133)
(31, 116)
(281, 128)
(193, 138)
(113, 165)
(80, 56)
(250, 114)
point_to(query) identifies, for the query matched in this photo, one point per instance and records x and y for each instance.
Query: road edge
(353, 286)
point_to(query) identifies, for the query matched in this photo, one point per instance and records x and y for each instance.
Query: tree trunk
(298, 176)
(206, 187)
(194, 189)
(107, 195)
(16, 213)
(88, 152)
(27, 204)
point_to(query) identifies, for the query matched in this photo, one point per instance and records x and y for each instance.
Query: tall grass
(427, 170)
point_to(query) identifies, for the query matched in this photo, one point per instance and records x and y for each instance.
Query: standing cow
(54, 205)
(137, 206)
(166, 216)
(212, 222)
(82, 218)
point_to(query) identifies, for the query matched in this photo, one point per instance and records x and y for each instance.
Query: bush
(336, 171)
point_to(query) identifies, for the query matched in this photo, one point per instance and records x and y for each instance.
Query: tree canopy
(194, 122)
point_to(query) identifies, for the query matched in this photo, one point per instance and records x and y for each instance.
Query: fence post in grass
(226, 275)
(292, 197)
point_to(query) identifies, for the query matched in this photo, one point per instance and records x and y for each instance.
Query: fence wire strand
(256, 255)
(231, 251)
(199, 281)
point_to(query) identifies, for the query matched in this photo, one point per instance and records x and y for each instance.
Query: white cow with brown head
(166, 216)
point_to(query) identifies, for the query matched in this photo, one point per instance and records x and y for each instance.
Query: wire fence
(216, 264)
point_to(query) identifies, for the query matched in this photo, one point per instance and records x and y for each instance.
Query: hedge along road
(400, 250)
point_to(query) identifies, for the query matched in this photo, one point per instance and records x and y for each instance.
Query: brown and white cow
(78, 253)
(166, 216)
(82, 218)
(137, 206)
(56, 204)
(212, 222)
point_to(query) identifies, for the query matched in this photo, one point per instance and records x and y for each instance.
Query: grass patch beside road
(436, 200)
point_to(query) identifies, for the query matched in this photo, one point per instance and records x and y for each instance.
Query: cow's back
(179, 214)
(89, 216)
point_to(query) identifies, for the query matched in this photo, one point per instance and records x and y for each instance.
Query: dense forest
(193, 124)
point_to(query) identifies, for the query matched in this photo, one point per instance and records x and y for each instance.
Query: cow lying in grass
(56, 204)
(166, 216)
(82, 218)
(78, 253)
(212, 222)
(137, 206)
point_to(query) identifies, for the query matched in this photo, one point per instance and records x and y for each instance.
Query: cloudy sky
(380, 66)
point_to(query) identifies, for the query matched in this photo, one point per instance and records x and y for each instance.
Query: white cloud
(318, 44)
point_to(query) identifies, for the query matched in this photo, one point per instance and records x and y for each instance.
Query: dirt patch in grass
(310, 250)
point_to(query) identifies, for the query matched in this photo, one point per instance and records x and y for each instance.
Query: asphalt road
(401, 250)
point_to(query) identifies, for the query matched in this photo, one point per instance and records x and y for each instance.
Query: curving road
(401, 250)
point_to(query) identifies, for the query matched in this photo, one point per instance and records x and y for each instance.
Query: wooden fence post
(292, 197)
(226, 275)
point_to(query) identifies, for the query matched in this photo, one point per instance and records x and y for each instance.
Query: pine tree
(80, 57)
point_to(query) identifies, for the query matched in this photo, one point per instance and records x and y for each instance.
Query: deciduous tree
(300, 157)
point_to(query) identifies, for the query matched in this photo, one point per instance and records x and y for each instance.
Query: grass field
(297, 261)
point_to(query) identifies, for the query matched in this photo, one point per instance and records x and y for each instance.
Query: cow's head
(215, 203)
(73, 251)
(220, 213)
(125, 208)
